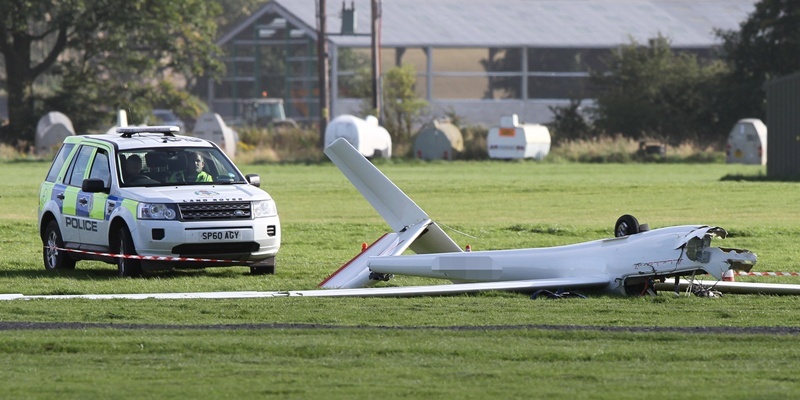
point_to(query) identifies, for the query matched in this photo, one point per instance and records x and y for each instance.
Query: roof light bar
(167, 130)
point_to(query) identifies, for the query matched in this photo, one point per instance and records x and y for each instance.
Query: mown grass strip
(378, 363)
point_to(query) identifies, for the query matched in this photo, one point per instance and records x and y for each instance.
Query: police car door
(78, 205)
(96, 206)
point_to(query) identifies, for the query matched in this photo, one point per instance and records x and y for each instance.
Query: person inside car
(194, 170)
(132, 172)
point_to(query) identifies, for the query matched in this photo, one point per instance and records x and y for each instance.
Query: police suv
(146, 198)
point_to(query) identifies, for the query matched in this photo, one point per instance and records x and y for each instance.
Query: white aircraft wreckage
(629, 263)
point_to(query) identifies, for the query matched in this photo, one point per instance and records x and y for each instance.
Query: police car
(145, 198)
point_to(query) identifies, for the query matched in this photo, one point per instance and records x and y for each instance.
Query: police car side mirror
(253, 179)
(93, 186)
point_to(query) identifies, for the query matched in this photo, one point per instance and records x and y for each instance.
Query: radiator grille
(215, 211)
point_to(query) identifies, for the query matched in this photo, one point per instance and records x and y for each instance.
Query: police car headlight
(264, 208)
(155, 211)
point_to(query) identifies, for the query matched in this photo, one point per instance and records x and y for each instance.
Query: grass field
(469, 346)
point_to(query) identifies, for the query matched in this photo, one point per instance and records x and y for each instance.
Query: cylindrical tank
(369, 138)
(747, 142)
(51, 130)
(439, 140)
(210, 126)
(512, 140)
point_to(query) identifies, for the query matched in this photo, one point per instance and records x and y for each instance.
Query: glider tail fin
(411, 225)
(390, 202)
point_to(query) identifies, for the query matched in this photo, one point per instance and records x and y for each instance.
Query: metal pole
(322, 64)
(376, 58)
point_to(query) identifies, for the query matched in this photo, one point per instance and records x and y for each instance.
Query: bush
(474, 143)
(569, 124)
(619, 149)
(259, 145)
(653, 91)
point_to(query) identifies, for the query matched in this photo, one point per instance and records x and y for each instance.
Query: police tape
(759, 273)
(148, 258)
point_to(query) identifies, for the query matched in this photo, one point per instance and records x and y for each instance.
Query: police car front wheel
(263, 267)
(54, 255)
(127, 266)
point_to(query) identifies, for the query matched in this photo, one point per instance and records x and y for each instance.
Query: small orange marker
(363, 247)
(468, 249)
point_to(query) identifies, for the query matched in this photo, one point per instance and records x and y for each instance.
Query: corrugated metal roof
(540, 23)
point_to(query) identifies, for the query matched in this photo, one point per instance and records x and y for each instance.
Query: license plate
(224, 235)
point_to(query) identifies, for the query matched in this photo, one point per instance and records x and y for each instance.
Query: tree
(234, 11)
(655, 92)
(401, 106)
(568, 123)
(766, 46)
(359, 83)
(98, 51)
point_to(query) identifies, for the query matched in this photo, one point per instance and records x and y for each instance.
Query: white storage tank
(439, 140)
(512, 140)
(747, 143)
(369, 138)
(51, 131)
(211, 127)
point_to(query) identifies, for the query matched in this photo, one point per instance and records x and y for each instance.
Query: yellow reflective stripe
(131, 206)
(70, 201)
(98, 210)
(45, 194)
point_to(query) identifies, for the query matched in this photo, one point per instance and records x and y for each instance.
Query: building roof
(507, 23)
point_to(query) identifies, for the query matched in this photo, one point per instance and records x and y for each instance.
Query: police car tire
(262, 270)
(126, 266)
(55, 259)
(264, 267)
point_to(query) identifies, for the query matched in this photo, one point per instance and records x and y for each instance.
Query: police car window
(214, 167)
(80, 165)
(58, 162)
(186, 166)
(220, 169)
(100, 169)
(134, 168)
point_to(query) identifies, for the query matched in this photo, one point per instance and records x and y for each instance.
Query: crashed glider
(630, 263)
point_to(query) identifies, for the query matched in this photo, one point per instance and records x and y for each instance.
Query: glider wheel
(626, 225)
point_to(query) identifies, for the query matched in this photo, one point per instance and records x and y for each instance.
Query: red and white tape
(759, 273)
(149, 258)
